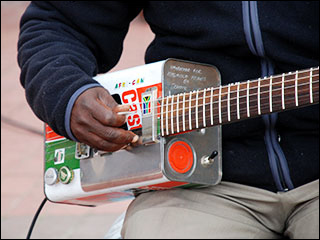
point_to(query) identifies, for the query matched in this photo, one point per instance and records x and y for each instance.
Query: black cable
(35, 217)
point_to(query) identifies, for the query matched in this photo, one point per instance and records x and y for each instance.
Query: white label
(59, 155)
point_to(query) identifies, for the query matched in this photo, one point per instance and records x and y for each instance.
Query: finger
(125, 108)
(86, 123)
(99, 143)
(136, 143)
(112, 134)
(106, 116)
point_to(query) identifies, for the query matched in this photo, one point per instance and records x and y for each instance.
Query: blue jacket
(62, 45)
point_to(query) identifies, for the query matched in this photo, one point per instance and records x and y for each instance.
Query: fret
(310, 80)
(242, 100)
(258, 96)
(296, 88)
(277, 93)
(220, 118)
(264, 96)
(190, 125)
(162, 130)
(282, 91)
(183, 112)
(270, 94)
(276, 87)
(211, 107)
(238, 100)
(291, 87)
(248, 100)
(228, 103)
(233, 101)
(167, 112)
(171, 115)
(197, 119)
(178, 96)
(204, 108)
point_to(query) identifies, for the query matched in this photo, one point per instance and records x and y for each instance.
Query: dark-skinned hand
(95, 122)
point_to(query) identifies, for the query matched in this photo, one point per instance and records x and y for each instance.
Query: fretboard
(238, 101)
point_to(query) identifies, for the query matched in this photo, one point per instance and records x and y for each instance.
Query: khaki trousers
(227, 210)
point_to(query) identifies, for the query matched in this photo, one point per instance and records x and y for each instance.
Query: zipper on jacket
(277, 159)
(273, 158)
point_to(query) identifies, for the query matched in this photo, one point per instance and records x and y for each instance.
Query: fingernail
(135, 139)
(122, 108)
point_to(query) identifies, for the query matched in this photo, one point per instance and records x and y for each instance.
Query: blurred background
(22, 147)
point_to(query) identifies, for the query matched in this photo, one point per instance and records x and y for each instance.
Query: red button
(180, 156)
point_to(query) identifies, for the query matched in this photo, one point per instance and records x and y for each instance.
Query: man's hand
(94, 121)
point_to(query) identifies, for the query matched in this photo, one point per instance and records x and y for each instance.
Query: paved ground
(22, 150)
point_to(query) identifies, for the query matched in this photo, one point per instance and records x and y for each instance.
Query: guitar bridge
(149, 116)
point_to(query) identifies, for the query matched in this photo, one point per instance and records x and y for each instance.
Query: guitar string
(252, 109)
(231, 92)
(232, 85)
(289, 74)
(243, 96)
(226, 100)
(200, 118)
(252, 81)
(224, 114)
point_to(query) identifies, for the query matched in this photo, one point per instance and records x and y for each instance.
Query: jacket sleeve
(61, 46)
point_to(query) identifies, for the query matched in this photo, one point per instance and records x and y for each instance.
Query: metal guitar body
(78, 174)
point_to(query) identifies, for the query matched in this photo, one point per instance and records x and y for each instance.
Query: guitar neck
(239, 101)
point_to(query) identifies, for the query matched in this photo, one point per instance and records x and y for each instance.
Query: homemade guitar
(177, 108)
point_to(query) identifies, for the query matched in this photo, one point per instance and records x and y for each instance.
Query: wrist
(70, 105)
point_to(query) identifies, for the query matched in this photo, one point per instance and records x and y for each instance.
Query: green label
(61, 153)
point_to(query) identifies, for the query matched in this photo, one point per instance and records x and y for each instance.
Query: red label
(51, 135)
(133, 97)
